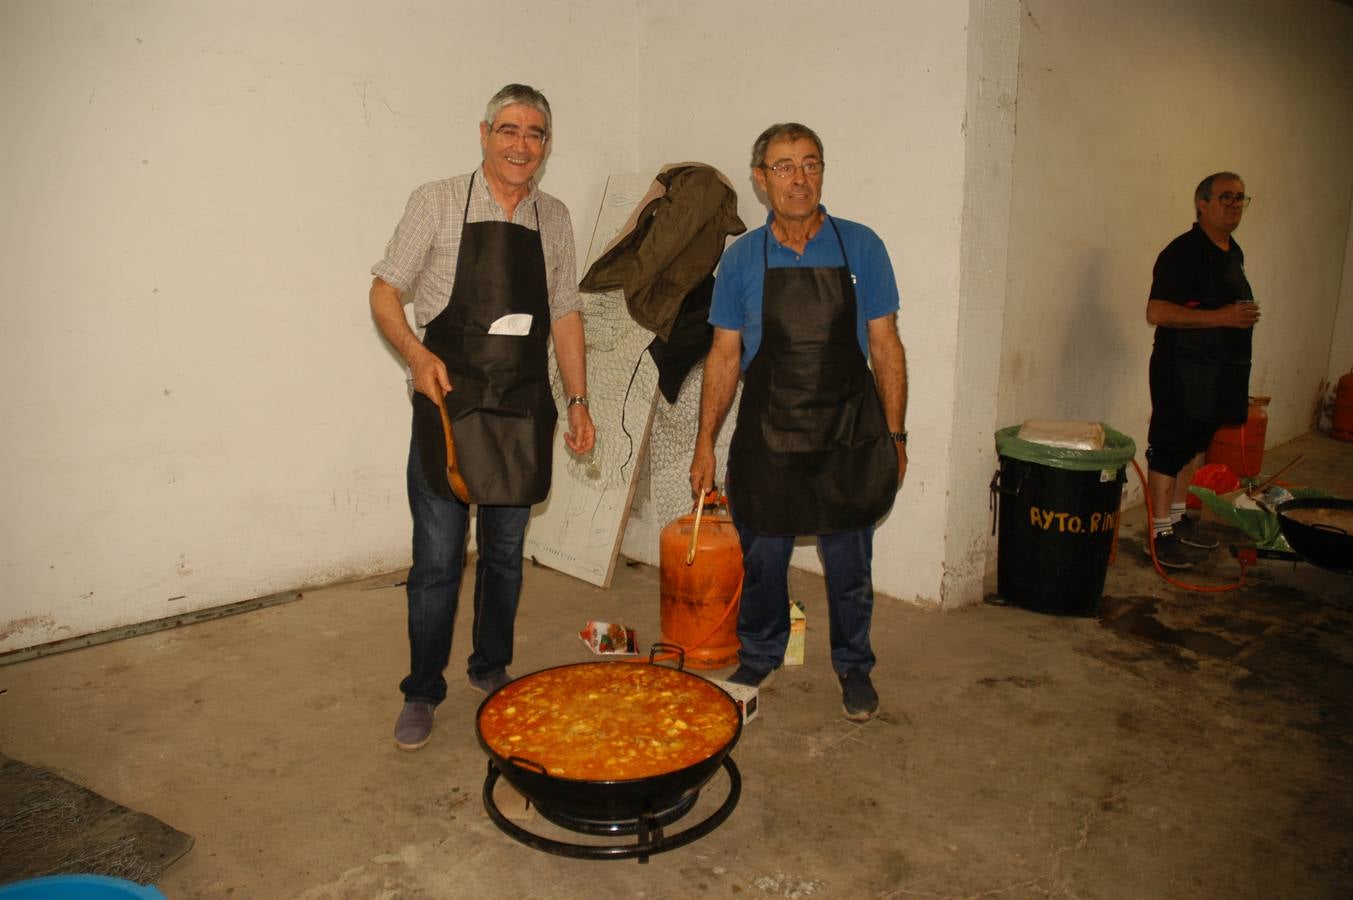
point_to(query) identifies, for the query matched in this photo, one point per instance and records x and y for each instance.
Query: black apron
(501, 406)
(811, 452)
(1212, 365)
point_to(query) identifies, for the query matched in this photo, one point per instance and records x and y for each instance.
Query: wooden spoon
(695, 532)
(1255, 491)
(453, 476)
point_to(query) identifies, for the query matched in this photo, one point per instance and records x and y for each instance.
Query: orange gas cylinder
(1242, 446)
(700, 589)
(1342, 425)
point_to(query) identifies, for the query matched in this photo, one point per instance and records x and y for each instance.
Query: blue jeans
(763, 616)
(440, 527)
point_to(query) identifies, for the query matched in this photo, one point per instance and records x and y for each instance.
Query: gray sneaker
(413, 728)
(490, 683)
(1168, 552)
(858, 697)
(1192, 534)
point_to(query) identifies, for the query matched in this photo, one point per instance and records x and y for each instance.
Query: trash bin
(1058, 515)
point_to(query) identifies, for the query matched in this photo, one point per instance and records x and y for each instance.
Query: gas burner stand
(648, 828)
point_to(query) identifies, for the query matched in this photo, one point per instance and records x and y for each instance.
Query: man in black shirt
(1204, 313)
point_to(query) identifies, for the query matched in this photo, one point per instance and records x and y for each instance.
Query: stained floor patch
(1141, 620)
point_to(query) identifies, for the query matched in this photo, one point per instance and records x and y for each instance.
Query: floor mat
(51, 826)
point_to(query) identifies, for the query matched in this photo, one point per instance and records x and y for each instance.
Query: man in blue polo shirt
(805, 307)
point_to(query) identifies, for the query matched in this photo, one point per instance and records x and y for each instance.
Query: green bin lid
(1117, 453)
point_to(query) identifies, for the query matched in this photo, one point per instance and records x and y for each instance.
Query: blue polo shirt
(737, 286)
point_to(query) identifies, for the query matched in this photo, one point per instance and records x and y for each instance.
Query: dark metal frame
(648, 828)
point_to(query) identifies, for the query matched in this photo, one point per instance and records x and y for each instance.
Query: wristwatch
(899, 437)
(579, 399)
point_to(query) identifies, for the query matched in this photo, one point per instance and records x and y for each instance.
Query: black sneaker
(1168, 552)
(1192, 534)
(858, 697)
(749, 677)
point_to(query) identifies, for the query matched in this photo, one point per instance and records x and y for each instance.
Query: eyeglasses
(1230, 199)
(509, 134)
(811, 168)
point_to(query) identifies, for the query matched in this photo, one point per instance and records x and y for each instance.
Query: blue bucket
(79, 887)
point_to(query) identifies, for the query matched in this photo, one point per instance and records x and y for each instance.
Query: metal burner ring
(648, 828)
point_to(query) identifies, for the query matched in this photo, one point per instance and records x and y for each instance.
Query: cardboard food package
(745, 697)
(1069, 435)
(609, 639)
(798, 632)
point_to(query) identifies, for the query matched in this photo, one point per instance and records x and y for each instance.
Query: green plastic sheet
(1259, 525)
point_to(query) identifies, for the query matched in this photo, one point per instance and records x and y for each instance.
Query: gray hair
(522, 94)
(789, 131)
(1204, 189)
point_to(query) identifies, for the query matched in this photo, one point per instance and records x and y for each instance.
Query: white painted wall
(196, 403)
(199, 411)
(993, 55)
(1123, 108)
(883, 84)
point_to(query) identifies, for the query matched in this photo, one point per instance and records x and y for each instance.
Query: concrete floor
(1182, 745)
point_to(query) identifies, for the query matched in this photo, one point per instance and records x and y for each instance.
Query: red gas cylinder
(700, 598)
(1242, 446)
(1342, 425)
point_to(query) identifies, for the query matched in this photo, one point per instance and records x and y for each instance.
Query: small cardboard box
(609, 639)
(745, 697)
(798, 630)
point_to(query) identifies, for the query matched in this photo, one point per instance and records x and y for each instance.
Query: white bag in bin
(1069, 435)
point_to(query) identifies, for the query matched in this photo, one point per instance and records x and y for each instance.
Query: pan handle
(661, 647)
(529, 765)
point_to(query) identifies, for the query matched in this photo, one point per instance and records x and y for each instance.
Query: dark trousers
(440, 526)
(763, 616)
(1174, 437)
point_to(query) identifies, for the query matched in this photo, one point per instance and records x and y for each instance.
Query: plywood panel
(578, 529)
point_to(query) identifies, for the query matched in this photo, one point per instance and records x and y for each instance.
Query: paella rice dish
(609, 721)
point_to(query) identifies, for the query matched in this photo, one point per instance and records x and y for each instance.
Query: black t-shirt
(1196, 273)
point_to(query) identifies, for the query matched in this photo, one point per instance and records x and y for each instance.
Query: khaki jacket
(670, 245)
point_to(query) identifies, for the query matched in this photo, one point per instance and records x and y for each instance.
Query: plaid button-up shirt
(423, 251)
